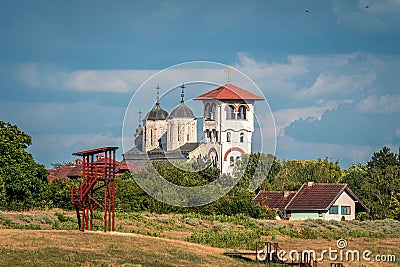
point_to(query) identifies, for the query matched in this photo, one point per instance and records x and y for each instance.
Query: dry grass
(134, 243)
(73, 248)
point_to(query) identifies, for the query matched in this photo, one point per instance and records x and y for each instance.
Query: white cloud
(338, 86)
(380, 104)
(284, 117)
(311, 78)
(116, 81)
(274, 78)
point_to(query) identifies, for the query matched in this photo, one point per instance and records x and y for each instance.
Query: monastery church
(228, 125)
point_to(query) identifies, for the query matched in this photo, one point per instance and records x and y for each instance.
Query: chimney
(286, 193)
(310, 183)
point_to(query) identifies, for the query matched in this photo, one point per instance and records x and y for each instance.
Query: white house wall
(343, 200)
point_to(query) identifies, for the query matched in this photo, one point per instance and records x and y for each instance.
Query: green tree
(355, 177)
(378, 184)
(23, 182)
(255, 169)
(59, 193)
(396, 207)
(294, 173)
(59, 165)
(381, 188)
(383, 159)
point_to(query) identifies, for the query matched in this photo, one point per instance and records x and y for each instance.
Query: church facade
(228, 126)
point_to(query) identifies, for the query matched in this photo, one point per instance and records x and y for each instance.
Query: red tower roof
(229, 92)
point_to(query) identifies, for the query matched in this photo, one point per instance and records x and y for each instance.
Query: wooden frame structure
(97, 188)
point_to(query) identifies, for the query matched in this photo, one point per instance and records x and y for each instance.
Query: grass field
(51, 238)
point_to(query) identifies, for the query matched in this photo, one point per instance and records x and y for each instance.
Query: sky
(329, 70)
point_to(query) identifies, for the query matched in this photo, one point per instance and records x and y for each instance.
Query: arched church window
(228, 136)
(212, 112)
(230, 112)
(241, 139)
(207, 111)
(179, 133)
(151, 136)
(208, 135)
(231, 161)
(242, 113)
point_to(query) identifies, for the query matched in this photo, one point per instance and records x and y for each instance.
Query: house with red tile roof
(326, 201)
(74, 170)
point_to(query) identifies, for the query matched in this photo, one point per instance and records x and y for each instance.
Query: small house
(326, 201)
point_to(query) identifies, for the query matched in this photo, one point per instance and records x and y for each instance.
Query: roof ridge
(295, 195)
(338, 195)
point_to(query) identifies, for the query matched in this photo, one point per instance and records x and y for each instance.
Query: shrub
(221, 226)
(227, 239)
(193, 221)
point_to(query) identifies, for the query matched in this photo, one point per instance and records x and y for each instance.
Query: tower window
(151, 136)
(212, 112)
(242, 113)
(228, 137)
(230, 112)
(207, 111)
(208, 136)
(241, 137)
(188, 137)
(179, 133)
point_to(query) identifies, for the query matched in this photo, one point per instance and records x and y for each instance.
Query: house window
(241, 137)
(228, 136)
(232, 161)
(242, 113)
(345, 210)
(320, 214)
(334, 210)
(230, 112)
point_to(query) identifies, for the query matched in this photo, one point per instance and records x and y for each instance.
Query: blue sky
(328, 69)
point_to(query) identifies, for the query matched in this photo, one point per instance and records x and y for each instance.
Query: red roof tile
(274, 199)
(321, 196)
(75, 170)
(318, 196)
(126, 166)
(229, 92)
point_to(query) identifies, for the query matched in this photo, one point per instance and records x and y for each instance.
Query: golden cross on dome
(228, 72)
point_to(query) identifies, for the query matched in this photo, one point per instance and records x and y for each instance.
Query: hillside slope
(74, 248)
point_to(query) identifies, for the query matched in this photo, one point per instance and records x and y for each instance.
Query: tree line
(24, 183)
